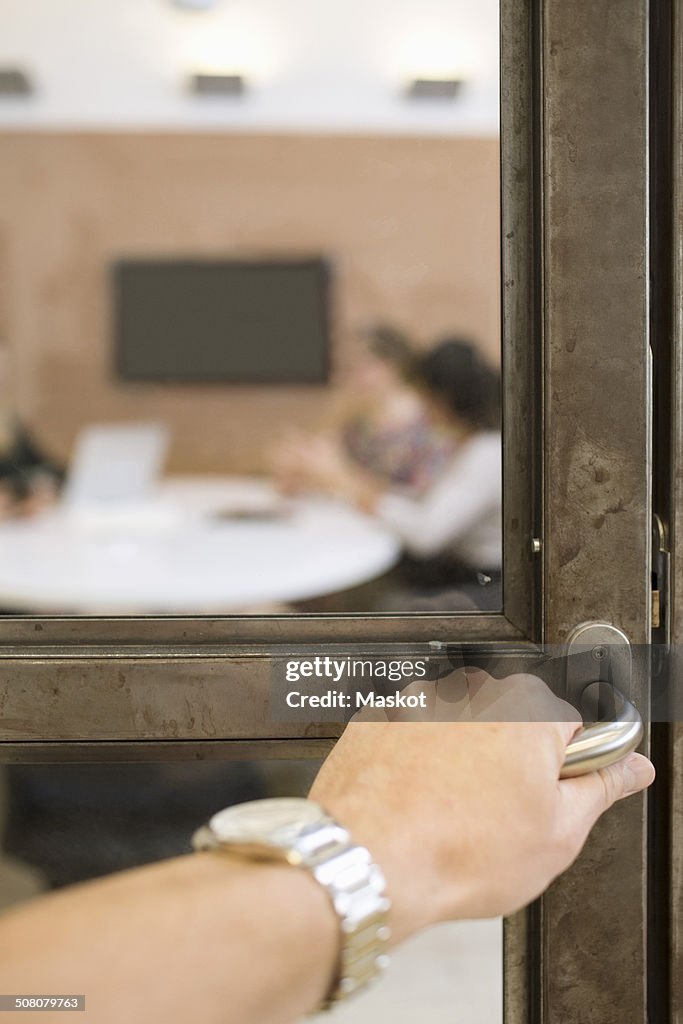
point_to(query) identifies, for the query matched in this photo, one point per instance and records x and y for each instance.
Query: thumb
(589, 796)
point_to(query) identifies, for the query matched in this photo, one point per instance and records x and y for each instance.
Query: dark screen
(202, 321)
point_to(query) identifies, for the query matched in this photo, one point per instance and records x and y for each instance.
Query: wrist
(413, 907)
(301, 920)
(301, 834)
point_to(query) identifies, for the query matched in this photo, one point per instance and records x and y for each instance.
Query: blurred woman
(451, 532)
(378, 422)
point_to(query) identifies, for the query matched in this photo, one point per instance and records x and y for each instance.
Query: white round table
(199, 546)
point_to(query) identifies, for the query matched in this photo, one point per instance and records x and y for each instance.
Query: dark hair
(391, 346)
(455, 374)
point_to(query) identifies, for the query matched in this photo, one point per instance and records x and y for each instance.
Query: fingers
(517, 698)
(587, 797)
(628, 776)
(637, 773)
(469, 694)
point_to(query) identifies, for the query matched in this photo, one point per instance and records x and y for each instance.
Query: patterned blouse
(407, 455)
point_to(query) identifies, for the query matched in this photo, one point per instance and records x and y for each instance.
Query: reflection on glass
(249, 346)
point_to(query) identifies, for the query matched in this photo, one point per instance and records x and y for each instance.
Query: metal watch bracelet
(357, 890)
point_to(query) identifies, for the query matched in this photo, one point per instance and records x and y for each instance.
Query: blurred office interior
(208, 208)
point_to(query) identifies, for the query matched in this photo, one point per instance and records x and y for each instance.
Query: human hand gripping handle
(469, 819)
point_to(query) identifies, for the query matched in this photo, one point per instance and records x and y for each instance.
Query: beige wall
(411, 224)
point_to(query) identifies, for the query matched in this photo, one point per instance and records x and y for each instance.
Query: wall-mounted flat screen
(196, 321)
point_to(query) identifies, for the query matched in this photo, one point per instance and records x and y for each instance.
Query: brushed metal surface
(676, 524)
(597, 455)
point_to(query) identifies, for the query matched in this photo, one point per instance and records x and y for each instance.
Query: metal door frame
(673, 867)
(593, 66)
(575, 356)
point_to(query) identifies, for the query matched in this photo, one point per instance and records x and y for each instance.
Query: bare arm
(203, 938)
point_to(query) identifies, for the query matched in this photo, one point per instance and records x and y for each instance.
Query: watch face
(276, 822)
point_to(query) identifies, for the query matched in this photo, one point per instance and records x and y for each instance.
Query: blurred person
(250, 931)
(29, 477)
(378, 421)
(452, 530)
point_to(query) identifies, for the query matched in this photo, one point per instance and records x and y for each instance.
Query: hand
(300, 462)
(319, 464)
(472, 695)
(468, 819)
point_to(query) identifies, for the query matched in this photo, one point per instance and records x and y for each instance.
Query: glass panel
(65, 823)
(250, 307)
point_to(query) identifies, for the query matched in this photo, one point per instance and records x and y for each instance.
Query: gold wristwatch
(301, 833)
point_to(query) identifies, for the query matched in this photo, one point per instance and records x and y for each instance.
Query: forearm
(423, 530)
(430, 524)
(206, 938)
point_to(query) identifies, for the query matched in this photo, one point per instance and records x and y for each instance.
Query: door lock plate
(597, 652)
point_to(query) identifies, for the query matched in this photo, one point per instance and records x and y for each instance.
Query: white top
(460, 514)
(178, 554)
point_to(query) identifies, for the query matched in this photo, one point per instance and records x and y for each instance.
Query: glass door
(576, 519)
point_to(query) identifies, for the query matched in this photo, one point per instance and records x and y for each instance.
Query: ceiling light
(206, 84)
(434, 88)
(14, 82)
(195, 5)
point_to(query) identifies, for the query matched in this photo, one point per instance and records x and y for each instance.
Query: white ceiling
(321, 65)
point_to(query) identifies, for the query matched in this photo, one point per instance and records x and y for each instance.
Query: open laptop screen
(115, 463)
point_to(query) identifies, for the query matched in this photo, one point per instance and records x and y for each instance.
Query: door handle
(599, 669)
(602, 743)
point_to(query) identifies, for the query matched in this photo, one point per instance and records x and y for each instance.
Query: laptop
(115, 465)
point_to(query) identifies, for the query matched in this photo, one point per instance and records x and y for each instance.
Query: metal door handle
(602, 743)
(599, 671)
